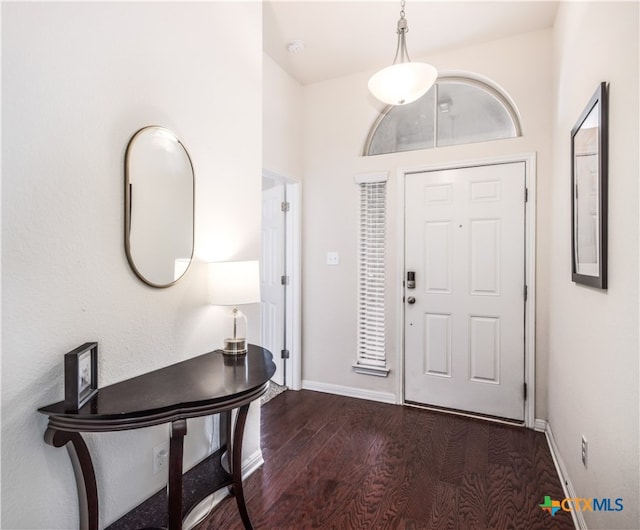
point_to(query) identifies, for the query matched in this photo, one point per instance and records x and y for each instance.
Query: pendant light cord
(401, 47)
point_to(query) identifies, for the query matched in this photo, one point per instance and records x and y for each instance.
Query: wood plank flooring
(340, 463)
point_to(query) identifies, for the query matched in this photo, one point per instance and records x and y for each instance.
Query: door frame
(293, 298)
(529, 160)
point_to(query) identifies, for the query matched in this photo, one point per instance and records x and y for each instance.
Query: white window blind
(371, 357)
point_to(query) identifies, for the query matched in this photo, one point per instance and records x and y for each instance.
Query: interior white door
(272, 270)
(464, 333)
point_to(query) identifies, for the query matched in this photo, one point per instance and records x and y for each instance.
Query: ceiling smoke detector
(295, 47)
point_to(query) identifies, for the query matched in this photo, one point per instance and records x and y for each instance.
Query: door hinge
(526, 292)
(524, 391)
(285, 206)
(284, 354)
(526, 195)
(284, 280)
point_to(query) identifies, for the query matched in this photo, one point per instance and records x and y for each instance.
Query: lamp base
(235, 347)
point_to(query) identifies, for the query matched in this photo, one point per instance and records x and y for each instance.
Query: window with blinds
(371, 356)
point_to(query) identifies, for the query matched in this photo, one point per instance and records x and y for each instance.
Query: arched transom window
(456, 110)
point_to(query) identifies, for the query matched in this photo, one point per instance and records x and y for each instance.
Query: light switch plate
(333, 258)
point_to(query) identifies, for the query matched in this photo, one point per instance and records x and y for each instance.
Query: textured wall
(78, 80)
(593, 334)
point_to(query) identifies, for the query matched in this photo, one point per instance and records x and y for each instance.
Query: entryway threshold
(466, 414)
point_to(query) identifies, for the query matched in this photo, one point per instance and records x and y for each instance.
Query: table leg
(84, 472)
(176, 448)
(236, 465)
(226, 440)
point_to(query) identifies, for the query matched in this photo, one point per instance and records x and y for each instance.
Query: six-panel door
(464, 335)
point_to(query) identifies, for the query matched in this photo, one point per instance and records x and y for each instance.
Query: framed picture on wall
(589, 179)
(80, 376)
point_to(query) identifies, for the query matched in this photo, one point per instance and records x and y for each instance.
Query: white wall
(78, 80)
(593, 334)
(338, 116)
(282, 126)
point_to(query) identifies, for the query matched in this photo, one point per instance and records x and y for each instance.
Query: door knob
(411, 300)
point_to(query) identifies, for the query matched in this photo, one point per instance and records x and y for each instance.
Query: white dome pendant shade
(403, 81)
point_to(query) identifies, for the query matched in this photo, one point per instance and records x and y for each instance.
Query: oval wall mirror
(159, 199)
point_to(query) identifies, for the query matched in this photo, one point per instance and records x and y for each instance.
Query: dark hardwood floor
(341, 463)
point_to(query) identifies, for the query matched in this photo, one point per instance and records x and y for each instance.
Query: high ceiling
(345, 37)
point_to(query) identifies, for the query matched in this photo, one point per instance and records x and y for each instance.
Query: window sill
(378, 371)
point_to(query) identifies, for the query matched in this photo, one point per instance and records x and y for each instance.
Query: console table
(212, 383)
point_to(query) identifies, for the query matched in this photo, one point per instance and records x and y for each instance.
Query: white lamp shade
(234, 282)
(402, 83)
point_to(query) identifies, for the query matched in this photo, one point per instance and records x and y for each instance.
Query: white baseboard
(348, 391)
(206, 505)
(540, 425)
(252, 463)
(567, 486)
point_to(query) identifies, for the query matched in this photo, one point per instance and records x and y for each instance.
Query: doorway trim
(529, 160)
(293, 298)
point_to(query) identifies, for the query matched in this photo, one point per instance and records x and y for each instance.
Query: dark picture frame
(80, 376)
(589, 191)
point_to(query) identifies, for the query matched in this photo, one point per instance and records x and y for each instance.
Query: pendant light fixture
(403, 81)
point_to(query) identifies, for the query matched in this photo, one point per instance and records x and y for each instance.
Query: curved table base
(86, 478)
(235, 465)
(84, 472)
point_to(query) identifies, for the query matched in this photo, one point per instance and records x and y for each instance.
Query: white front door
(272, 270)
(464, 321)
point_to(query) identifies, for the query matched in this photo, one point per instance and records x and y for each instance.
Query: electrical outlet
(160, 457)
(584, 451)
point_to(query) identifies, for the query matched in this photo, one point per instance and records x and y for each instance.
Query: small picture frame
(80, 376)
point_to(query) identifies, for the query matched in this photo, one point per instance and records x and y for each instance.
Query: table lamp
(235, 283)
